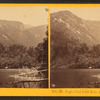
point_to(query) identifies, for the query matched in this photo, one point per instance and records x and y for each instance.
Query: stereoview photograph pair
(74, 47)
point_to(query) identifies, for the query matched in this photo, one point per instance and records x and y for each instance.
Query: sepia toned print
(75, 47)
(24, 47)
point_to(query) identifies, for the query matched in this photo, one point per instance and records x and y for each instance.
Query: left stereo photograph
(24, 47)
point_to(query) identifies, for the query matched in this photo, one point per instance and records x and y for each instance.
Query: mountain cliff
(75, 28)
(14, 32)
(70, 32)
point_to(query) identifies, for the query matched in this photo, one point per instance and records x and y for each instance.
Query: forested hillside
(75, 42)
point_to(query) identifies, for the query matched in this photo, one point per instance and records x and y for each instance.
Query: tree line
(78, 55)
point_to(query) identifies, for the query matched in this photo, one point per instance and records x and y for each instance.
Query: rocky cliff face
(13, 32)
(75, 28)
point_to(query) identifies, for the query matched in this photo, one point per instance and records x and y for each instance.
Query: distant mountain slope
(35, 34)
(13, 32)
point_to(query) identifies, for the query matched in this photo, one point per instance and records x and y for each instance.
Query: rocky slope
(75, 28)
(13, 32)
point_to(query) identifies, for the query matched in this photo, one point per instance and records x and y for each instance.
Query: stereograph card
(49, 49)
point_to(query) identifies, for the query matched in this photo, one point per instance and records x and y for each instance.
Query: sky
(87, 13)
(28, 15)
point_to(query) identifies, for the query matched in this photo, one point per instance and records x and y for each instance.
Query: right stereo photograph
(75, 47)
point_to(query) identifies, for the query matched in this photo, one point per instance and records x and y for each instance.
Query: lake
(8, 76)
(75, 78)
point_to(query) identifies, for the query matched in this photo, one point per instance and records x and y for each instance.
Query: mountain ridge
(62, 21)
(14, 32)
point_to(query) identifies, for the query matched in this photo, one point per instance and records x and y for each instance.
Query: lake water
(6, 78)
(74, 78)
